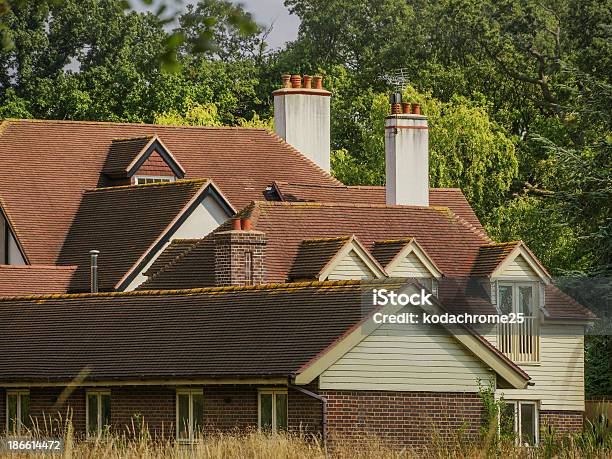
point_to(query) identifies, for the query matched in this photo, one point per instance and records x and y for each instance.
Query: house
(236, 280)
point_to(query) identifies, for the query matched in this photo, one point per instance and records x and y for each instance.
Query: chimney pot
(236, 224)
(286, 79)
(296, 81)
(416, 109)
(246, 224)
(406, 108)
(307, 81)
(396, 109)
(318, 81)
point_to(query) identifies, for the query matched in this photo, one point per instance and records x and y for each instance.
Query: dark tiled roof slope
(122, 152)
(452, 198)
(46, 166)
(491, 255)
(122, 223)
(559, 305)
(222, 332)
(176, 248)
(452, 243)
(34, 279)
(313, 255)
(385, 251)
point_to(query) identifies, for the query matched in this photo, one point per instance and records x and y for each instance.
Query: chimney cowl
(286, 79)
(236, 224)
(318, 82)
(416, 109)
(296, 81)
(246, 224)
(93, 266)
(307, 82)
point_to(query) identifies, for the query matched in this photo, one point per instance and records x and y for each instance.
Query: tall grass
(137, 443)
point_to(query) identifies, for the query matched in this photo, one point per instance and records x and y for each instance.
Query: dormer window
(146, 179)
(141, 160)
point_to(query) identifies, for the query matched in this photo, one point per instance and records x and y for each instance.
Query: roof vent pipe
(94, 270)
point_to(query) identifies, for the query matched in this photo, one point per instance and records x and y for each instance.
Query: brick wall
(305, 413)
(228, 408)
(2, 411)
(562, 422)
(131, 406)
(231, 248)
(402, 418)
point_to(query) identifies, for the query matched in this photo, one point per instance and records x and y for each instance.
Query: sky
(265, 12)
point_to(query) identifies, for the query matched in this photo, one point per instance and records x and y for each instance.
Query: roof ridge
(500, 244)
(192, 291)
(155, 184)
(58, 267)
(128, 139)
(118, 123)
(357, 187)
(346, 204)
(405, 240)
(328, 239)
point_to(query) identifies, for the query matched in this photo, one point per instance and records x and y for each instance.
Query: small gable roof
(391, 252)
(493, 257)
(124, 224)
(318, 257)
(125, 156)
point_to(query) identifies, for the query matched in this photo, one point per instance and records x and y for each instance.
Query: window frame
(518, 431)
(100, 428)
(190, 393)
(516, 285)
(271, 391)
(154, 179)
(19, 421)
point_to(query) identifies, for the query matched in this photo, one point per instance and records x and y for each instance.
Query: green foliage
(195, 115)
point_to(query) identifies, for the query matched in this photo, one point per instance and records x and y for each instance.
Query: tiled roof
(47, 165)
(491, 255)
(123, 152)
(176, 248)
(452, 244)
(266, 331)
(314, 254)
(34, 279)
(559, 305)
(385, 251)
(122, 223)
(269, 330)
(452, 198)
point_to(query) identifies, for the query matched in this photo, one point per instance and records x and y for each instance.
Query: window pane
(265, 409)
(525, 300)
(198, 412)
(183, 416)
(505, 299)
(92, 414)
(12, 413)
(106, 410)
(506, 424)
(426, 283)
(25, 410)
(528, 423)
(281, 411)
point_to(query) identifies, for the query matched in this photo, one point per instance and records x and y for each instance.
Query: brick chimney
(302, 117)
(406, 154)
(239, 255)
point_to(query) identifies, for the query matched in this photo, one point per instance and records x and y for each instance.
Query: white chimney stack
(406, 155)
(302, 117)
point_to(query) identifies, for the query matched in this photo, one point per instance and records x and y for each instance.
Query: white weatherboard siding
(559, 378)
(407, 358)
(207, 216)
(519, 269)
(410, 266)
(351, 267)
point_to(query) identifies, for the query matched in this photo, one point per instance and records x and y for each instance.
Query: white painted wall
(559, 377)
(407, 160)
(14, 256)
(303, 120)
(410, 266)
(203, 219)
(351, 267)
(407, 358)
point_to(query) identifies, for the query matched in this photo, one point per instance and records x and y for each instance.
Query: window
(430, 284)
(98, 412)
(17, 411)
(519, 340)
(189, 413)
(520, 419)
(248, 268)
(273, 409)
(144, 179)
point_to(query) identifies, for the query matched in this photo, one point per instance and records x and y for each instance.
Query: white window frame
(535, 294)
(518, 431)
(154, 179)
(271, 391)
(98, 393)
(190, 393)
(18, 393)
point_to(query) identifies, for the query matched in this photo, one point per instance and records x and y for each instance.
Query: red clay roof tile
(34, 279)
